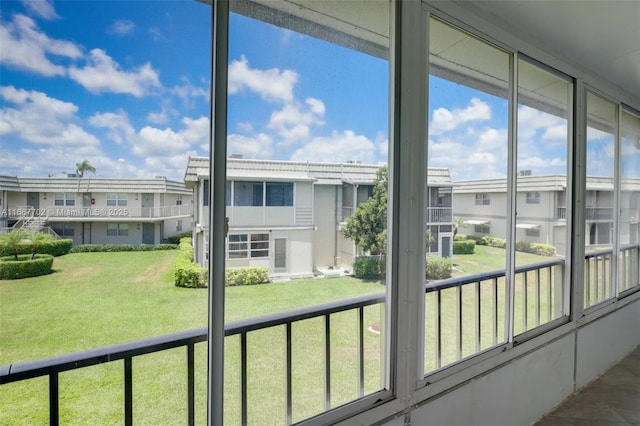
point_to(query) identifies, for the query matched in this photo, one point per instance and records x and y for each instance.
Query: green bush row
(246, 276)
(25, 266)
(464, 246)
(534, 248)
(175, 239)
(369, 267)
(94, 248)
(438, 268)
(186, 273)
(52, 247)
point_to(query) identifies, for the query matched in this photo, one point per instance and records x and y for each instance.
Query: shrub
(94, 248)
(369, 267)
(464, 246)
(496, 242)
(460, 237)
(438, 268)
(175, 239)
(186, 273)
(542, 249)
(246, 276)
(480, 241)
(25, 267)
(52, 247)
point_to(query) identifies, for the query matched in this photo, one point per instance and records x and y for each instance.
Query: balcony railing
(439, 215)
(96, 213)
(597, 273)
(464, 316)
(590, 213)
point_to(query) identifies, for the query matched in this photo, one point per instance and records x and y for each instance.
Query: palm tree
(13, 239)
(37, 238)
(82, 168)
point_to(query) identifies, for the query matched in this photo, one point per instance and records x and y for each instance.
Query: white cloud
(196, 132)
(42, 120)
(445, 120)
(120, 131)
(258, 146)
(121, 27)
(494, 140)
(42, 8)
(103, 74)
(271, 84)
(293, 122)
(187, 91)
(338, 147)
(26, 48)
(540, 163)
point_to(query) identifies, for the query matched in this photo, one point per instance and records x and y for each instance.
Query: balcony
(591, 213)
(439, 215)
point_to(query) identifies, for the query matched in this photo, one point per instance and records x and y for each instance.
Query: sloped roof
(9, 183)
(88, 184)
(541, 183)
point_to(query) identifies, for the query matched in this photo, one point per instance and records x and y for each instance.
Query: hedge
(464, 246)
(534, 248)
(369, 267)
(246, 276)
(25, 266)
(175, 239)
(186, 273)
(438, 268)
(93, 248)
(52, 247)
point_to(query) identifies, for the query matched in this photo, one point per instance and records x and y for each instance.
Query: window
(205, 192)
(116, 199)
(483, 200)
(178, 225)
(238, 246)
(532, 232)
(481, 229)
(117, 229)
(279, 194)
(179, 200)
(247, 194)
(65, 199)
(64, 229)
(533, 198)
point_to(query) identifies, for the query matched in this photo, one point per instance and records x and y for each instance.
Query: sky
(125, 85)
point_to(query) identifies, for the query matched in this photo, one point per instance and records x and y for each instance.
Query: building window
(117, 199)
(279, 194)
(481, 229)
(65, 199)
(247, 194)
(117, 229)
(205, 192)
(533, 198)
(179, 200)
(178, 225)
(533, 232)
(64, 229)
(483, 200)
(238, 246)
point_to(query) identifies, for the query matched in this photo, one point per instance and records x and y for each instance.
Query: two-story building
(97, 210)
(288, 216)
(541, 209)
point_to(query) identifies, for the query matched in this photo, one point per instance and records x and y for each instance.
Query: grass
(99, 299)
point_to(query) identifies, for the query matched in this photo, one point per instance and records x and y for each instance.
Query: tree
(82, 168)
(367, 226)
(13, 239)
(37, 238)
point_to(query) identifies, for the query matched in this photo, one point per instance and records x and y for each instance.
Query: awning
(475, 222)
(527, 226)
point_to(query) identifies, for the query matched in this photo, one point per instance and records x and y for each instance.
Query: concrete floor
(613, 399)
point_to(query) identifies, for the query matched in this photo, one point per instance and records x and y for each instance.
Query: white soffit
(603, 36)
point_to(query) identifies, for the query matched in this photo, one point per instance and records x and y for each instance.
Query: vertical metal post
(512, 191)
(459, 320)
(128, 392)
(361, 351)
(525, 301)
(494, 310)
(327, 362)
(538, 305)
(217, 213)
(438, 329)
(54, 400)
(478, 317)
(243, 379)
(288, 376)
(191, 388)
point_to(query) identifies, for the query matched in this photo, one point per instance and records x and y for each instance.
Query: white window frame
(64, 199)
(117, 199)
(117, 229)
(533, 197)
(483, 199)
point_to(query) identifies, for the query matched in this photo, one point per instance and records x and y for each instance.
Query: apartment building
(480, 207)
(288, 216)
(97, 210)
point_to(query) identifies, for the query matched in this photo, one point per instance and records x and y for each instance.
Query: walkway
(613, 399)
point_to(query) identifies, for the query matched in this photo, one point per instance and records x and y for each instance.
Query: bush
(542, 249)
(460, 237)
(95, 248)
(52, 247)
(186, 273)
(464, 246)
(175, 239)
(25, 266)
(369, 267)
(496, 242)
(246, 276)
(438, 268)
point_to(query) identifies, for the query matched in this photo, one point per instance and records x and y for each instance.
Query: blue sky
(125, 85)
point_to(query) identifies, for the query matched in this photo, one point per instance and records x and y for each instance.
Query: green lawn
(99, 299)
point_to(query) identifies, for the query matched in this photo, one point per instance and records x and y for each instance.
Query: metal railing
(439, 215)
(52, 367)
(598, 284)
